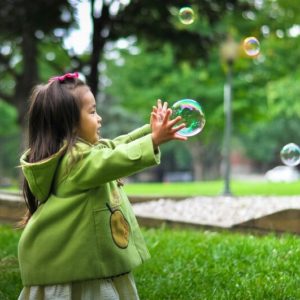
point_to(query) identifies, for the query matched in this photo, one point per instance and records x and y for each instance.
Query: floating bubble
(251, 46)
(192, 115)
(290, 154)
(186, 15)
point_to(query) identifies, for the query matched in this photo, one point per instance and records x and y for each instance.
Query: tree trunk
(25, 82)
(29, 76)
(98, 42)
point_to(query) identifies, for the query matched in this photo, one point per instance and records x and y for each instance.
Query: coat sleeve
(127, 138)
(99, 165)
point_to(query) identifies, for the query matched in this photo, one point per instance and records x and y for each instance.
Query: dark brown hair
(53, 116)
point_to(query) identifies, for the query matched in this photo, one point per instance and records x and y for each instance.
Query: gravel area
(216, 211)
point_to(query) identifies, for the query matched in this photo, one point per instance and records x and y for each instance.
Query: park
(220, 212)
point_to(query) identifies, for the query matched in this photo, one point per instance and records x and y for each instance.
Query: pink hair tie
(64, 77)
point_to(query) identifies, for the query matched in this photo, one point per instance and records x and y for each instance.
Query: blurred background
(134, 52)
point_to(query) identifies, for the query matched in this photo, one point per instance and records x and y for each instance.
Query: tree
(23, 24)
(270, 84)
(153, 75)
(154, 21)
(111, 20)
(190, 53)
(264, 95)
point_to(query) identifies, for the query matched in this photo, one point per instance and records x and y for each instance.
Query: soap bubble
(186, 15)
(290, 154)
(251, 46)
(192, 115)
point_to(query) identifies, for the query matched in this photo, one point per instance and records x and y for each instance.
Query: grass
(10, 282)
(213, 188)
(196, 264)
(190, 264)
(209, 188)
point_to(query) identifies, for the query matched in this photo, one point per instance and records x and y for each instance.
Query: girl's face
(90, 121)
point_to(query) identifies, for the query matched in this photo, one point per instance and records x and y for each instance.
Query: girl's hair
(54, 115)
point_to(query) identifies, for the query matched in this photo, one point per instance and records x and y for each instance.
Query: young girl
(81, 239)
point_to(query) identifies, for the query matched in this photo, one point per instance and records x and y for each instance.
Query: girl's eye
(93, 112)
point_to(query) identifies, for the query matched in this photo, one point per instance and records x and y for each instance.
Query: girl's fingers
(180, 137)
(165, 106)
(176, 129)
(167, 116)
(162, 107)
(160, 116)
(159, 104)
(155, 114)
(174, 121)
(153, 117)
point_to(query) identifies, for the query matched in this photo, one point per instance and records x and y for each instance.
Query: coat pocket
(112, 230)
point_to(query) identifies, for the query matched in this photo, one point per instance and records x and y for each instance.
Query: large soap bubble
(192, 115)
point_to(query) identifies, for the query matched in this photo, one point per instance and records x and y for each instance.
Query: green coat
(84, 227)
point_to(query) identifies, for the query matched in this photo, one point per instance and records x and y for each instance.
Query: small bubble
(290, 155)
(251, 46)
(186, 15)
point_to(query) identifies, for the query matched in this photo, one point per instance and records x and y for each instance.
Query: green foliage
(157, 22)
(41, 15)
(273, 89)
(113, 114)
(157, 75)
(271, 136)
(171, 61)
(9, 157)
(8, 119)
(262, 87)
(53, 59)
(9, 140)
(283, 95)
(265, 89)
(176, 156)
(280, 14)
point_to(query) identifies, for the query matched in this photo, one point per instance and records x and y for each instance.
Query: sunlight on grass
(213, 188)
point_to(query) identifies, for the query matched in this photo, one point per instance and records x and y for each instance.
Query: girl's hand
(162, 126)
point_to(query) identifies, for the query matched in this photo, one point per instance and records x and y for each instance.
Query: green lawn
(190, 264)
(196, 264)
(10, 283)
(209, 188)
(213, 188)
